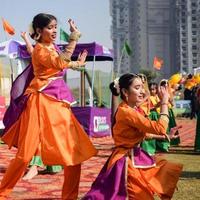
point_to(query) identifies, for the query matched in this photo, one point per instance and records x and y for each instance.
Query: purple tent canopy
(96, 121)
(98, 51)
(9, 48)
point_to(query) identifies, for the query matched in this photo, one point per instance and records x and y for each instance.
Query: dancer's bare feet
(33, 171)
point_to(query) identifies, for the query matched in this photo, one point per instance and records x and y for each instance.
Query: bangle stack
(75, 36)
(64, 57)
(164, 114)
(74, 64)
(164, 104)
(150, 136)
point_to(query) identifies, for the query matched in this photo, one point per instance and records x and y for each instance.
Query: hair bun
(113, 89)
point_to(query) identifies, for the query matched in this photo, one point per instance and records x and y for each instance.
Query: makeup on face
(136, 92)
(49, 33)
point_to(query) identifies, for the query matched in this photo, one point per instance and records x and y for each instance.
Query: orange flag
(7, 27)
(157, 63)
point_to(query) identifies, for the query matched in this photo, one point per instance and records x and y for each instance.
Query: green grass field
(189, 183)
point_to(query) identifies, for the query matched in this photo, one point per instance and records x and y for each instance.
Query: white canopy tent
(9, 49)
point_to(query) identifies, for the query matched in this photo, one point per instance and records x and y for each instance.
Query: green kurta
(150, 144)
(36, 160)
(172, 123)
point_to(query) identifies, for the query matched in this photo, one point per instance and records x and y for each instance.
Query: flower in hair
(116, 85)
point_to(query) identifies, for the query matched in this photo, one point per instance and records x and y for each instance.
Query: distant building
(150, 27)
(188, 18)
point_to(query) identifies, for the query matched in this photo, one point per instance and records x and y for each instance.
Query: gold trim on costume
(67, 54)
(164, 117)
(75, 36)
(74, 65)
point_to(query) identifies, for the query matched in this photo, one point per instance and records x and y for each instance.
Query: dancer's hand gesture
(72, 25)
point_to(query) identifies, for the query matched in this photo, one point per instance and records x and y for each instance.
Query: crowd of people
(192, 93)
(45, 131)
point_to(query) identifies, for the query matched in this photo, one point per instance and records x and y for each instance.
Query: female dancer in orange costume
(36, 161)
(46, 118)
(130, 173)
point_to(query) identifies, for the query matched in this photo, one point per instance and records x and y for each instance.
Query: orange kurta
(50, 122)
(128, 131)
(62, 138)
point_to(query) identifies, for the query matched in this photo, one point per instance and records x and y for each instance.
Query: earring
(37, 36)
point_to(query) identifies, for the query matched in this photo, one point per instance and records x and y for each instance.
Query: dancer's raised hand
(73, 27)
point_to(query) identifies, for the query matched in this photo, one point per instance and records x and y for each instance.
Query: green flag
(63, 35)
(127, 48)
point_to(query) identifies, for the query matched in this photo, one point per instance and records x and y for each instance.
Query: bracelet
(164, 104)
(150, 136)
(75, 35)
(164, 114)
(74, 64)
(64, 57)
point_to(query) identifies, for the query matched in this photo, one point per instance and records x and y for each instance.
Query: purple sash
(17, 99)
(56, 88)
(110, 184)
(141, 159)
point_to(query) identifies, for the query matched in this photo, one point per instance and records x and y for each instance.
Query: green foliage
(150, 74)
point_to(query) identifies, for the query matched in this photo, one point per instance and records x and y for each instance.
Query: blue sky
(91, 16)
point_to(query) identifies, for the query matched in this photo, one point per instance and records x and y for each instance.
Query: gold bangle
(75, 35)
(150, 136)
(64, 57)
(164, 104)
(164, 114)
(75, 65)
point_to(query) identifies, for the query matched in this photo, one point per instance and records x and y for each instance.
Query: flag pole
(9, 29)
(11, 66)
(1, 79)
(59, 38)
(126, 48)
(61, 24)
(120, 61)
